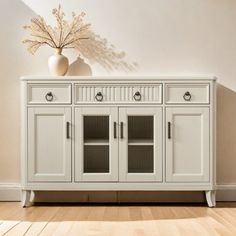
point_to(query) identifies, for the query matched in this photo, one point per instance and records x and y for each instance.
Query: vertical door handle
(169, 130)
(115, 134)
(121, 130)
(67, 130)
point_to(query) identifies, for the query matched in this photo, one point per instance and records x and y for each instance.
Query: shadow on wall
(226, 135)
(98, 50)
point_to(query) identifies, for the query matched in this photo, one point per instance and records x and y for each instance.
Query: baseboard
(226, 192)
(12, 192)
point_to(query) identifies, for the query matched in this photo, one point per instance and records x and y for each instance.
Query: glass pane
(96, 127)
(140, 159)
(96, 159)
(140, 127)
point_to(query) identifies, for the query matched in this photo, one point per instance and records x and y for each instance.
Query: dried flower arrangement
(77, 35)
(64, 35)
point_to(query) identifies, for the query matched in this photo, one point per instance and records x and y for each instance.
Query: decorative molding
(12, 192)
(226, 186)
(226, 192)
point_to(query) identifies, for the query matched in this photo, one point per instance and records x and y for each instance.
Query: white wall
(14, 62)
(173, 37)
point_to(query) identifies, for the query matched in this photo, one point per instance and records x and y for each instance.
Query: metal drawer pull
(115, 134)
(137, 96)
(187, 96)
(99, 97)
(121, 130)
(67, 130)
(49, 96)
(169, 130)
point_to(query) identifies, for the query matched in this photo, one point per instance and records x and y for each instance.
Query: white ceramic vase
(57, 63)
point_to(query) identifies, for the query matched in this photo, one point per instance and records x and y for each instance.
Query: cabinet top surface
(123, 78)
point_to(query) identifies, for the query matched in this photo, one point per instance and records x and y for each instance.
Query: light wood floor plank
(111, 213)
(49, 229)
(64, 226)
(211, 222)
(167, 228)
(223, 219)
(106, 220)
(6, 226)
(123, 214)
(19, 229)
(36, 228)
(40, 218)
(58, 224)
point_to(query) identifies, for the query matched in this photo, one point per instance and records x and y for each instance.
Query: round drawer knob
(137, 96)
(187, 96)
(49, 96)
(99, 97)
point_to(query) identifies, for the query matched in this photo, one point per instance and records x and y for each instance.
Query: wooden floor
(157, 219)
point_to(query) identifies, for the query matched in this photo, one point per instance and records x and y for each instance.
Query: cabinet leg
(25, 198)
(211, 198)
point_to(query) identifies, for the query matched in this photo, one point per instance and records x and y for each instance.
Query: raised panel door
(49, 144)
(187, 144)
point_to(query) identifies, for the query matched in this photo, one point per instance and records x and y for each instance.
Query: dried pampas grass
(64, 35)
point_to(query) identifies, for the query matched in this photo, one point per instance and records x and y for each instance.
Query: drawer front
(134, 94)
(187, 93)
(49, 94)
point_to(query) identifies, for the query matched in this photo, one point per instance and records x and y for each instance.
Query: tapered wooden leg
(211, 198)
(25, 198)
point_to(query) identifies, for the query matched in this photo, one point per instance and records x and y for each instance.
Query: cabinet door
(187, 144)
(49, 144)
(140, 144)
(96, 144)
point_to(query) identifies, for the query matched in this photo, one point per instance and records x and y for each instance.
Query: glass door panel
(96, 159)
(140, 128)
(141, 147)
(140, 159)
(96, 128)
(96, 146)
(140, 144)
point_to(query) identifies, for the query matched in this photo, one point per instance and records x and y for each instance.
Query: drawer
(135, 94)
(187, 93)
(49, 93)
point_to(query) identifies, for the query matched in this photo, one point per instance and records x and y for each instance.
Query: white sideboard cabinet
(122, 133)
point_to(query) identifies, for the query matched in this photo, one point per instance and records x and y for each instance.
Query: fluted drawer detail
(118, 93)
